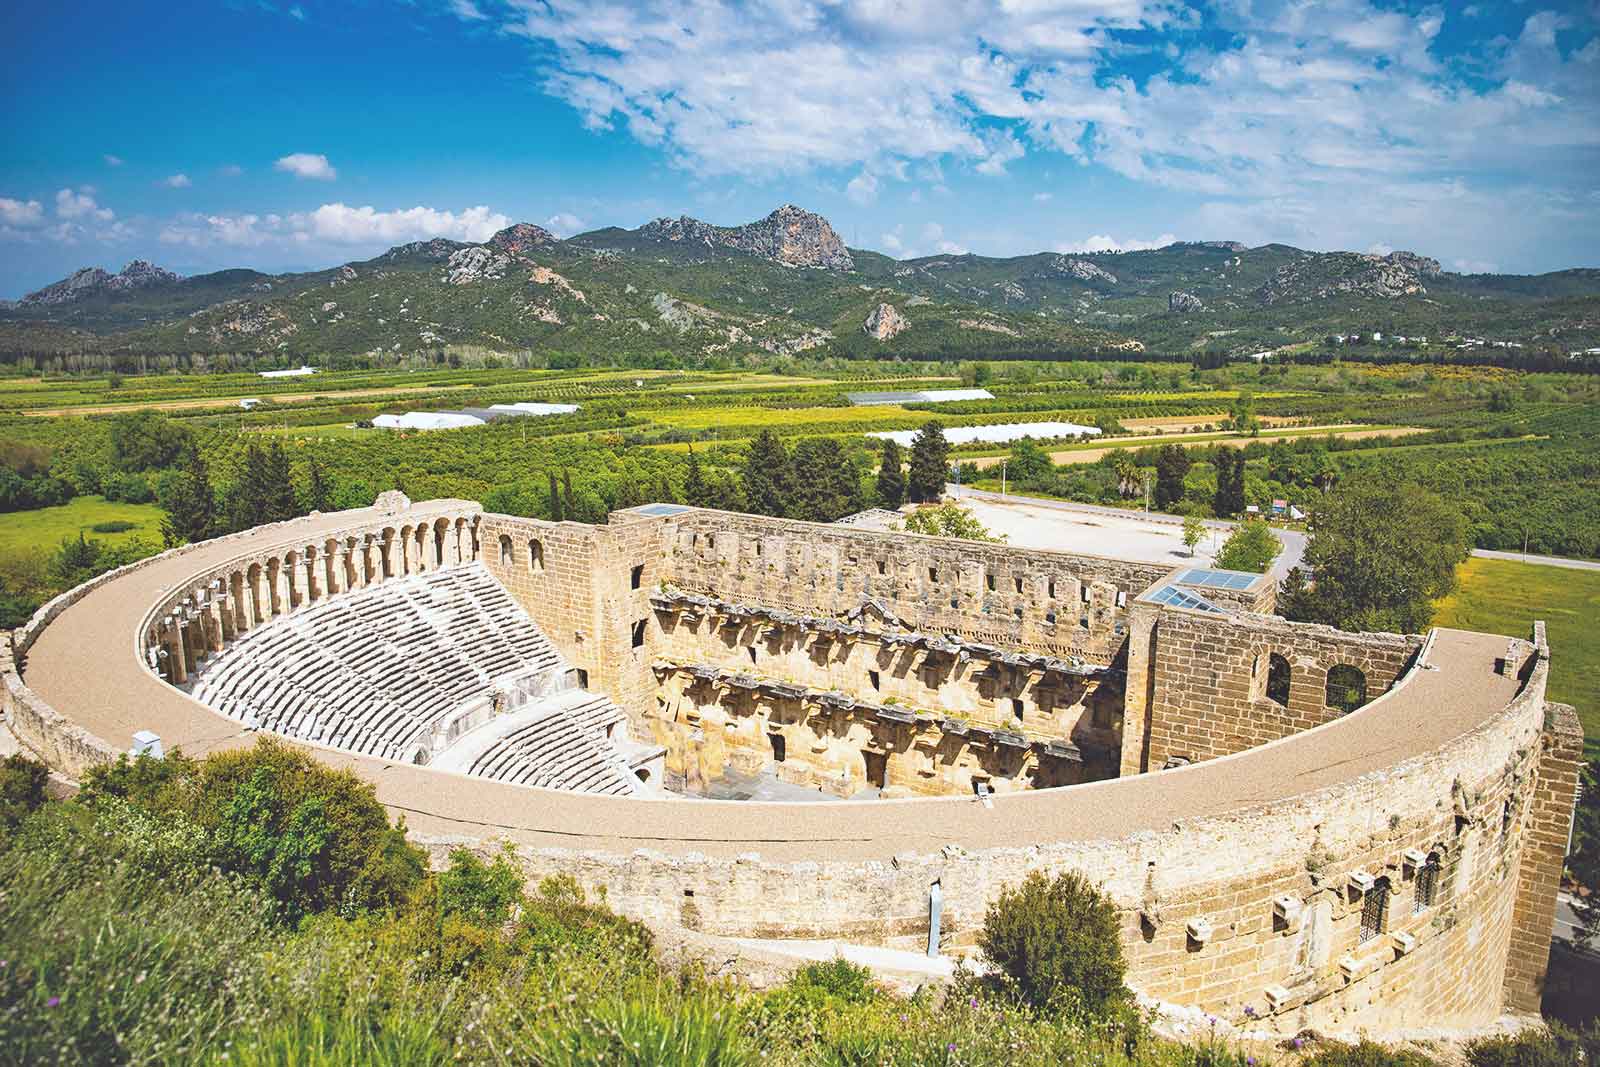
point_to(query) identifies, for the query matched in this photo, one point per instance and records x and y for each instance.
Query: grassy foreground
(43, 529)
(1505, 597)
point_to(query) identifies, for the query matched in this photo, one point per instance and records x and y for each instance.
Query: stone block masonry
(1307, 867)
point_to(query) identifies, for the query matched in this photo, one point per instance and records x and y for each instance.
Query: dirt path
(1091, 455)
(233, 401)
(1185, 423)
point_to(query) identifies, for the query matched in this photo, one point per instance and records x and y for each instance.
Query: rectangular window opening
(877, 681)
(638, 633)
(933, 574)
(636, 576)
(1018, 583)
(1016, 707)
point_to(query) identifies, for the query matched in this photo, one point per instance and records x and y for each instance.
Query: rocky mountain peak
(520, 238)
(436, 248)
(1362, 274)
(790, 235)
(87, 281)
(1083, 270)
(884, 322)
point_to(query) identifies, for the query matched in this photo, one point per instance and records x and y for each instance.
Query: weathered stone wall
(1053, 602)
(1549, 823)
(1207, 683)
(1260, 909)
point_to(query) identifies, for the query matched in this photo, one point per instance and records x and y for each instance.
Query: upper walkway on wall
(86, 664)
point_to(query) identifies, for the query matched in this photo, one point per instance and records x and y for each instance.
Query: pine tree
(930, 463)
(694, 486)
(769, 476)
(664, 492)
(1229, 499)
(826, 485)
(191, 507)
(891, 479)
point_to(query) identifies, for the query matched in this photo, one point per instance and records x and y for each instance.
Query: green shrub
(837, 979)
(114, 526)
(1367, 1054)
(1556, 1047)
(113, 959)
(22, 783)
(314, 838)
(392, 1040)
(1056, 944)
(477, 891)
(649, 1028)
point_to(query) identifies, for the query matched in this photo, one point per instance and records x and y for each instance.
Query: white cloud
(176, 181)
(307, 165)
(1474, 266)
(112, 161)
(337, 222)
(297, 13)
(863, 188)
(1103, 243)
(1300, 109)
(20, 213)
(565, 224)
(466, 9)
(334, 224)
(81, 204)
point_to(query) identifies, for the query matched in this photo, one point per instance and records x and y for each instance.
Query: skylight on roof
(662, 509)
(1172, 596)
(1215, 579)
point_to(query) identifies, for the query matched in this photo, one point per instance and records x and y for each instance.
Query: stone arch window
(1347, 688)
(1278, 673)
(643, 774)
(1374, 910)
(536, 555)
(1427, 887)
(505, 550)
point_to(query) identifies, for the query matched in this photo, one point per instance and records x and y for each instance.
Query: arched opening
(643, 774)
(1347, 688)
(1278, 680)
(505, 550)
(536, 555)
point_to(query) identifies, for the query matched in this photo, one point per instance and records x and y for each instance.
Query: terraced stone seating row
(372, 670)
(554, 744)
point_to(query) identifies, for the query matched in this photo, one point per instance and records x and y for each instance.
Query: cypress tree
(569, 505)
(318, 492)
(769, 476)
(276, 491)
(930, 464)
(555, 497)
(191, 507)
(891, 479)
(1172, 465)
(694, 486)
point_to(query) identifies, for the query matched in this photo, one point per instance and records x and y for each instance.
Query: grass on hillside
(1504, 597)
(44, 528)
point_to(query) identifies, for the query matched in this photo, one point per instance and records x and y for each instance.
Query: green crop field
(1502, 596)
(42, 529)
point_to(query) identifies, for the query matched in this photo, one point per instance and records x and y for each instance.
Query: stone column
(338, 564)
(313, 562)
(225, 620)
(287, 598)
(407, 549)
(172, 641)
(240, 601)
(261, 593)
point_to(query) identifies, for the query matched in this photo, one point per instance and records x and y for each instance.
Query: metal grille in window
(1427, 883)
(1374, 907)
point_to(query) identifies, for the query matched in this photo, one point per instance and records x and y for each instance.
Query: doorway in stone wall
(877, 767)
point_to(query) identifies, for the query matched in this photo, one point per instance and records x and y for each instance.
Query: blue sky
(300, 135)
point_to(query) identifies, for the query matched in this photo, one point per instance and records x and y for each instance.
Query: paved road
(1567, 924)
(1293, 541)
(1543, 561)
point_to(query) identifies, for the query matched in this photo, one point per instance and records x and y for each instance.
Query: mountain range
(787, 284)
